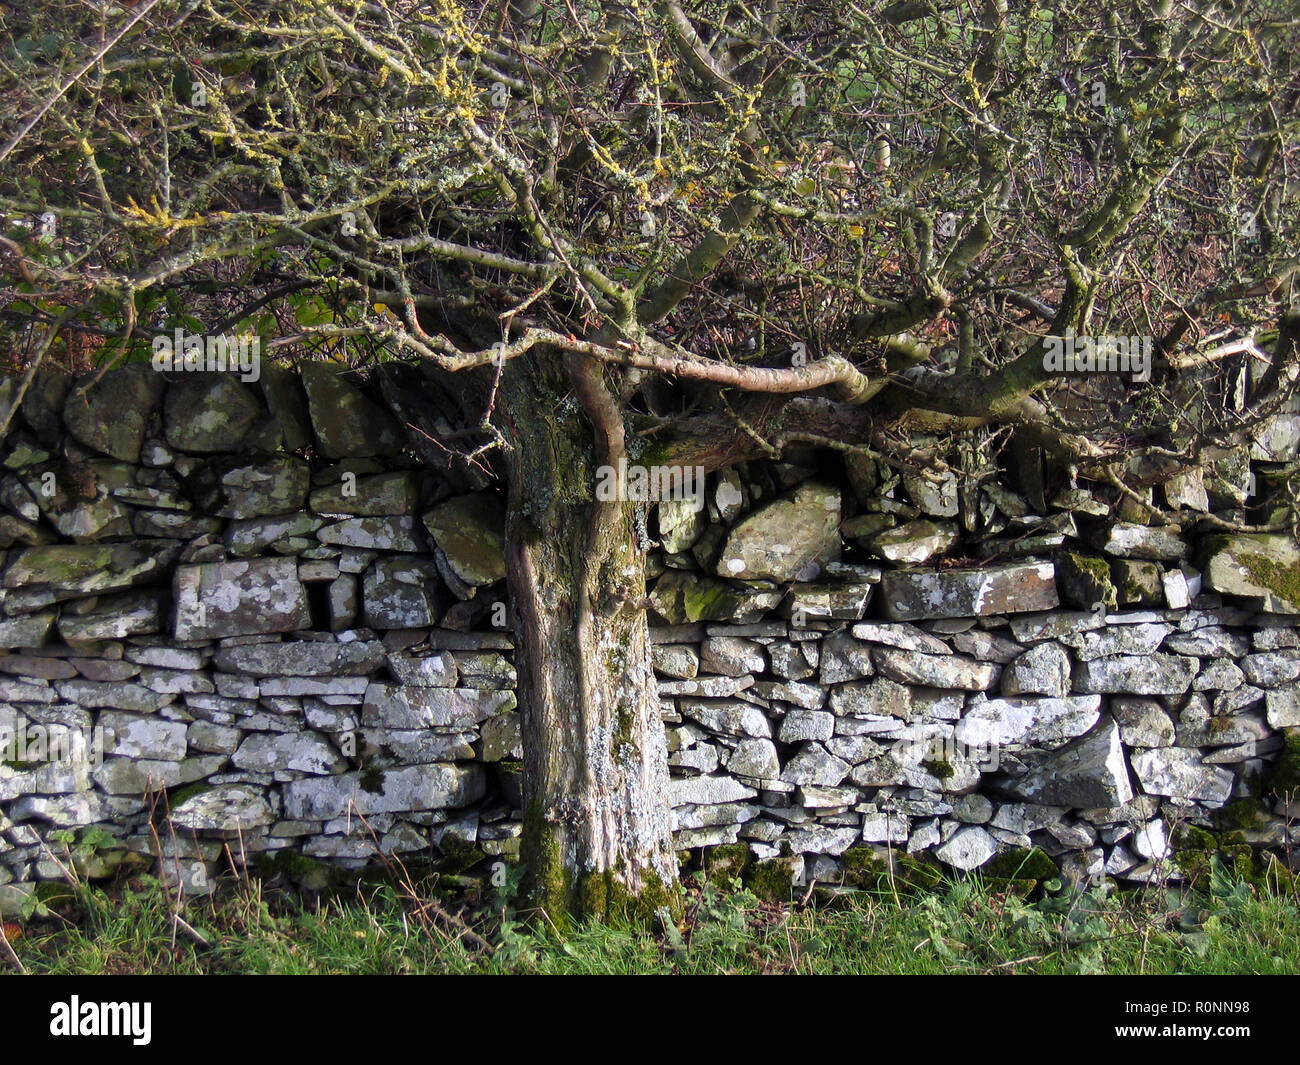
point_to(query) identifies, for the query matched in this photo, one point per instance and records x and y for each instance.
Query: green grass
(965, 926)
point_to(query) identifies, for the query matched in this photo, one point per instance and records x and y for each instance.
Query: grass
(401, 925)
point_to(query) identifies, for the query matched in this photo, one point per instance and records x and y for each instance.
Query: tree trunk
(597, 820)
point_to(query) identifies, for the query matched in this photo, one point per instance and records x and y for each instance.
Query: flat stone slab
(216, 599)
(911, 595)
(437, 786)
(1264, 568)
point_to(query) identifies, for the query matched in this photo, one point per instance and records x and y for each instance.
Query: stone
(935, 494)
(1009, 588)
(1129, 540)
(470, 532)
(227, 808)
(800, 725)
(843, 601)
(502, 738)
(1142, 722)
(1087, 772)
(299, 752)
(343, 602)
(938, 671)
(914, 542)
(1047, 722)
(728, 717)
(904, 637)
(731, 657)
(1042, 670)
(347, 424)
(114, 618)
(301, 658)
(694, 791)
(754, 758)
(29, 630)
(436, 670)
(135, 736)
(1186, 489)
(1140, 639)
(396, 706)
(1264, 568)
(1137, 582)
(1210, 641)
(402, 592)
(210, 412)
(881, 697)
(679, 597)
(681, 521)
(421, 787)
(815, 765)
(968, 848)
(884, 826)
(844, 659)
(236, 488)
(379, 495)
(399, 533)
(218, 599)
(1151, 674)
(1035, 628)
(780, 539)
(1082, 581)
(1283, 706)
(113, 694)
(1179, 773)
(1269, 669)
(253, 536)
(73, 570)
(110, 414)
(675, 660)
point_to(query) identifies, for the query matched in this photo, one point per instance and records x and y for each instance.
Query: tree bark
(597, 818)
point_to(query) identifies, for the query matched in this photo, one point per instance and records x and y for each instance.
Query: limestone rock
(1264, 568)
(112, 413)
(914, 542)
(470, 532)
(347, 424)
(403, 592)
(207, 412)
(779, 540)
(1005, 589)
(1129, 540)
(1038, 722)
(1152, 674)
(301, 658)
(968, 848)
(239, 598)
(937, 671)
(419, 787)
(1042, 670)
(1179, 773)
(1087, 772)
(227, 808)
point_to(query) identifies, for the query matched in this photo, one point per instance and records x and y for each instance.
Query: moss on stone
(1286, 770)
(1021, 863)
(771, 879)
(725, 863)
(938, 768)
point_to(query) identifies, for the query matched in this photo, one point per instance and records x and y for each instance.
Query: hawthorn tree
(677, 232)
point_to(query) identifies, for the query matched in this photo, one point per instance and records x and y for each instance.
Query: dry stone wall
(241, 624)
